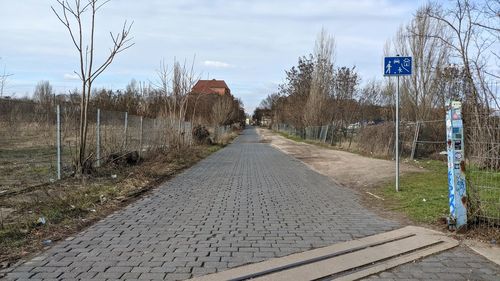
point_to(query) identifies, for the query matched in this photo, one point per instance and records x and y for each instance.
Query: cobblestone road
(246, 203)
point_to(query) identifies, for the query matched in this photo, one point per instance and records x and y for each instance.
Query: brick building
(218, 87)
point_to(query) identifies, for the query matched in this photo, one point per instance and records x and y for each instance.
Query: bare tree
(175, 85)
(270, 101)
(473, 42)
(420, 93)
(475, 32)
(44, 96)
(73, 16)
(3, 81)
(371, 102)
(345, 84)
(288, 105)
(316, 106)
(222, 110)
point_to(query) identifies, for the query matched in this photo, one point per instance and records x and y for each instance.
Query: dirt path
(346, 168)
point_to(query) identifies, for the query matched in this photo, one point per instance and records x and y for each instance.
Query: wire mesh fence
(313, 133)
(483, 171)
(421, 139)
(426, 140)
(29, 140)
(27, 144)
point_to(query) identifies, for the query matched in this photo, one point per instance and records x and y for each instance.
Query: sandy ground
(349, 169)
(361, 174)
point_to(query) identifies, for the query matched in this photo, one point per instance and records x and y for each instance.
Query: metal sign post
(58, 141)
(457, 196)
(397, 66)
(397, 138)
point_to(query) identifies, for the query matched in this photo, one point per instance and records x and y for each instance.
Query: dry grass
(226, 138)
(71, 205)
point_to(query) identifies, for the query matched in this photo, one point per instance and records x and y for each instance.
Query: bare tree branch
(88, 74)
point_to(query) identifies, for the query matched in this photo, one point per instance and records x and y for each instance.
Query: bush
(377, 140)
(201, 135)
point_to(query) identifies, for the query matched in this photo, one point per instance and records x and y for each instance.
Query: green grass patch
(423, 196)
(12, 237)
(213, 148)
(485, 190)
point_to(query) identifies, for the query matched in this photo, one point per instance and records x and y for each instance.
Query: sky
(247, 43)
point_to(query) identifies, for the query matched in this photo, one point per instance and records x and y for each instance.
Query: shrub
(201, 135)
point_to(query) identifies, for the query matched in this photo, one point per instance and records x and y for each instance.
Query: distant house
(217, 87)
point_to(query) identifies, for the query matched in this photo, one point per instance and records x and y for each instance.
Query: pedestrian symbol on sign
(397, 66)
(388, 67)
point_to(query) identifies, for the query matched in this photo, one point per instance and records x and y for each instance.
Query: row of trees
(317, 93)
(168, 97)
(454, 50)
(141, 99)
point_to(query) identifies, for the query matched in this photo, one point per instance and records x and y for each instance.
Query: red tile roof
(211, 87)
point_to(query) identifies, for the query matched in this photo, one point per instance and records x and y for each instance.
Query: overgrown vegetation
(34, 218)
(454, 50)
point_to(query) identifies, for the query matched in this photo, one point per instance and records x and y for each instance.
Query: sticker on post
(458, 156)
(460, 186)
(456, 104)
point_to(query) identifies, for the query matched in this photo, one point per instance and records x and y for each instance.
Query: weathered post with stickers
(457, 195)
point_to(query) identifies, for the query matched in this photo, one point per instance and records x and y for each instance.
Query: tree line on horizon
(454, 50)
(146, 100)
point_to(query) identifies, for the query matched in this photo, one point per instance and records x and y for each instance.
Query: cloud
(217, 64)
(258, 38)
(71, 76)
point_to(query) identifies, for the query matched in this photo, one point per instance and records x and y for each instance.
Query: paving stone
(429, 269)
(246, 203)
(152, 276)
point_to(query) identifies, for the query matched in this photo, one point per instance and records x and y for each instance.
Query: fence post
(415, 140)
(125, 130)
(190, 133)
(332, 139)
(326, 133)
(98, 139)
(58, 141)
(140, 138)
(184, 140)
